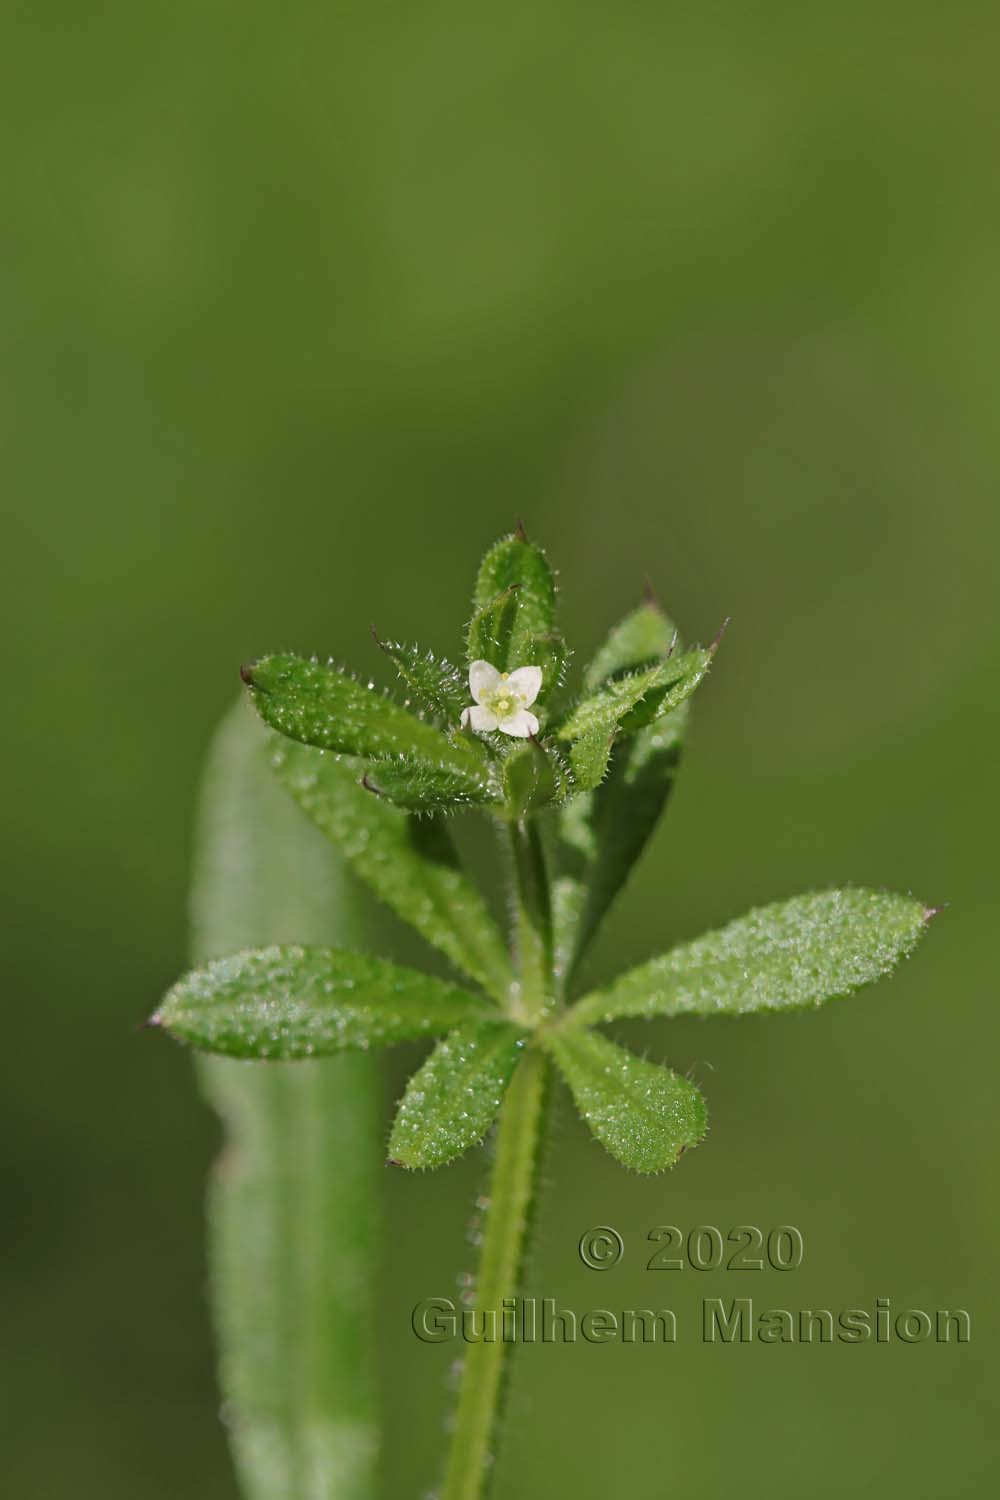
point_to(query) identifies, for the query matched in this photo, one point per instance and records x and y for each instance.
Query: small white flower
(502, 700)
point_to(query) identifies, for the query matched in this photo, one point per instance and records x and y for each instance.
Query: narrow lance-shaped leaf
(409, 862)
(434, 682)
(291, 1211)
(514, 620)
(291, 1002)
(781, 957)
(642, 639)
(589, 755)
(604, 831)
(625, 704)
(452, 1101)
(420, 788)
(491, 631)
(312, 702)
(645, 1115)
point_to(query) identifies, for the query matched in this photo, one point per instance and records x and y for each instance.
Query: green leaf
(409, 862)
(422, 788)
(625, 704)
(452, 1101)
(312, 702)
(491, 631)
(291, 1002)
(438, 685)
(533, 776)
(589, 756)
(642, 639)
(291, 1210)
(514, 620)
(603, 831)
(780, 957)
(645, 1115)
(520, 778)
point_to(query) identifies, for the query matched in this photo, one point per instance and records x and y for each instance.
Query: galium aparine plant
(575, 783)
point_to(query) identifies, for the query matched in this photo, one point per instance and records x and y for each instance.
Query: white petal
(521, 725)
(526, 682)
(482, 679)
(481, 719)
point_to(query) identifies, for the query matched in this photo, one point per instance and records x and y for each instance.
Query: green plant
(291, 1205)
(574, 789)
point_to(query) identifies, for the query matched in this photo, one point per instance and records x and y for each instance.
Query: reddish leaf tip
(719, 634)
(930, 912)
(520, 534)
(246, 672)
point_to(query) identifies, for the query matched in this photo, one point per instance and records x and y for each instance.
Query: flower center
(503, 703)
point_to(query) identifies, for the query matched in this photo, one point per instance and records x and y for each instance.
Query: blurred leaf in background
(301, 310)
(292, 1218)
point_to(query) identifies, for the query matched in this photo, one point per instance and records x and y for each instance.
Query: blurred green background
(303, 305)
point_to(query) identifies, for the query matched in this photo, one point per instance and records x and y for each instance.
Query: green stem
(514, 1179)
(534, 921)
(511, 1194)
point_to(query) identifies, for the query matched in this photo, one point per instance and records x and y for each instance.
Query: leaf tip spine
(717, 642)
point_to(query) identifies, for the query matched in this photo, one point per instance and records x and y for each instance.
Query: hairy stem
(514, 1178)
(511, 1195)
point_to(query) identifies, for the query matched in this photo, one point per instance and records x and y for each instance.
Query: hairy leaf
(645, 1115)
(780, 957)
(589, 756)
(491, 631)
(514, 623)
(409, 862)
(435, 683)
(452, 1101)
(642, 639)
(312, 702)
(291, 1002)
(625, 704)
(424, 788)
(291, 1211)
(533, 776)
